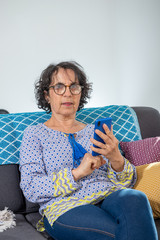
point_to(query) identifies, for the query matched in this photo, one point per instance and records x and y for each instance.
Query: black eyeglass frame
(66, 88)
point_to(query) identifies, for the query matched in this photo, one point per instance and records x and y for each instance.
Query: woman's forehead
(64, 75)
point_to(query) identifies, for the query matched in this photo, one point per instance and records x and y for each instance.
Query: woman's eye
(74, 86)
(59, 86)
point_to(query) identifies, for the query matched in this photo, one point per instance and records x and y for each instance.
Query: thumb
(102, 160)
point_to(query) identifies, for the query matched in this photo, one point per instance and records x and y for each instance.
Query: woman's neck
(67, 125)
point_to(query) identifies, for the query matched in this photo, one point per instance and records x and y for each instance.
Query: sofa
(26, 213)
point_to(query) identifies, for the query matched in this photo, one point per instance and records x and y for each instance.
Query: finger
(102, 160)
(97, 143)
(112, 129)
(108, 132)
(98, 161)
(95, 165)
(111, 135)
(99, 150)
(106, 138)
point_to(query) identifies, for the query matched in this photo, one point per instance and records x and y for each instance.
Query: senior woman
(80, 196)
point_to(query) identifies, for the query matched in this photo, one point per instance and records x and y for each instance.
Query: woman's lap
(84, 222)
(124, 214)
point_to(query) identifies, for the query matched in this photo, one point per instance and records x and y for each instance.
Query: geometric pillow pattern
(12, 126)
(142, 151)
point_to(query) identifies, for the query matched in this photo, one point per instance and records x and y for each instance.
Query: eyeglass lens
(60, 88)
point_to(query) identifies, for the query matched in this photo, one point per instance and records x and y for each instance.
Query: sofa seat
(23, 231)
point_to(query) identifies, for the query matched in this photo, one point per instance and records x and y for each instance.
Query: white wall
(116, 41)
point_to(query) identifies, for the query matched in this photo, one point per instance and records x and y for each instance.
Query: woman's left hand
(109, 148)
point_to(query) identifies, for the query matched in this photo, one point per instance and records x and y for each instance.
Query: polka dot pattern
(142, 151)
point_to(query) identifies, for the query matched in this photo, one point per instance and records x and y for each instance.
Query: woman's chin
(68, 111)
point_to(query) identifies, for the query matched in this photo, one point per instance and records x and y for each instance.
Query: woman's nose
(67, 92)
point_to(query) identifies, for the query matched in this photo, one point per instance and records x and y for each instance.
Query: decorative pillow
(142, 151)
(148, 181)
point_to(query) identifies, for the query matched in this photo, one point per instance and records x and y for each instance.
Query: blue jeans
(123, 215)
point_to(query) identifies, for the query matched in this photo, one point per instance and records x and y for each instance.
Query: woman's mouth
(67, 104)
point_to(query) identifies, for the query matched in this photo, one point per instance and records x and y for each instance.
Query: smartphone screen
(99, 125)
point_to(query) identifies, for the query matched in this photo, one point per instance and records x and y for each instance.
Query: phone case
(99, 125)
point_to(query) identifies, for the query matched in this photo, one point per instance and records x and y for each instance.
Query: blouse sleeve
(36, 184)
(126, 178)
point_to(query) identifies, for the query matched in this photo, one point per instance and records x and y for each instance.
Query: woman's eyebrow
(72, 82)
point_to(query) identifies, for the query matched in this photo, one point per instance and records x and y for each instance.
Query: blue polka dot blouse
(46, 164)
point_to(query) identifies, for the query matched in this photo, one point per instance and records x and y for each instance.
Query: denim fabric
(123, 215)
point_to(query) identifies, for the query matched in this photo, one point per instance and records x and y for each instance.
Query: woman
(80, 196)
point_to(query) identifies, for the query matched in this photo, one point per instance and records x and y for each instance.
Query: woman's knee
(126, 199)
(133, 198)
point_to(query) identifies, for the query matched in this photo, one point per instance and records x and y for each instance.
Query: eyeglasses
(60, 88)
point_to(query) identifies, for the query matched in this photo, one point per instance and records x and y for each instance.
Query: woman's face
(67, 104)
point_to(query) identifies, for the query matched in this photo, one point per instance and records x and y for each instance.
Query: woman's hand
(109, 148)
(87, 166)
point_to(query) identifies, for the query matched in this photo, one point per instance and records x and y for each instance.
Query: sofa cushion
(142, 151)
(23, 230)
(33, 218)
(11, 194)
(148, 181)
(31, 207)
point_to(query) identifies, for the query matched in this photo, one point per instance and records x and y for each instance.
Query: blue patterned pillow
(125, 127)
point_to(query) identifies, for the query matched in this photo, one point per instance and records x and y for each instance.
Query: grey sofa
(27, 213)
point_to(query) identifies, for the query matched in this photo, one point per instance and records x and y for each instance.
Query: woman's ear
(46, 95)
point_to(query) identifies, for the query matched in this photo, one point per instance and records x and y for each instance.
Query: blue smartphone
(99, 125)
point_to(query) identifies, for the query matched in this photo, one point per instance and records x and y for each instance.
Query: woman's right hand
(87, 166)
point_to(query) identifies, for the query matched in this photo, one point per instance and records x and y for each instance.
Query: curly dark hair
(45, 79)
